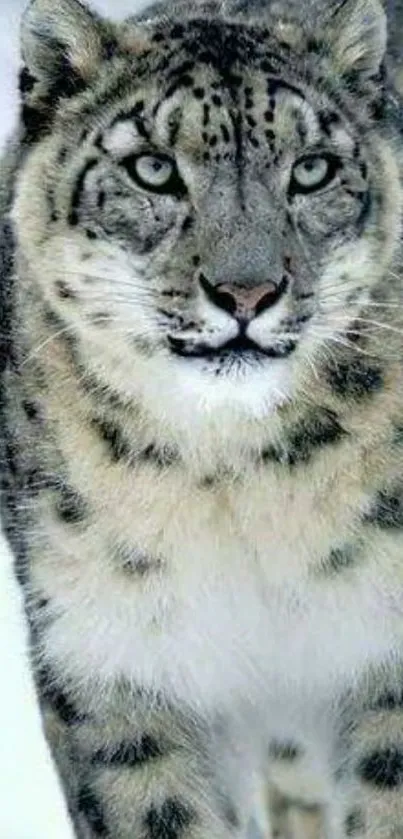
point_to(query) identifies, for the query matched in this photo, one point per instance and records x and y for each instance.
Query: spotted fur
(201, 411)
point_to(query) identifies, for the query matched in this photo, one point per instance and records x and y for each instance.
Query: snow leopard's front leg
(368, 800)
(145, 770)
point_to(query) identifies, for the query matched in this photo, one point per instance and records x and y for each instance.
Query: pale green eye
(313, 172)
(154, 171)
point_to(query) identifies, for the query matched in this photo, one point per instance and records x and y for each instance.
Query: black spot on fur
(35, 123)
(206, 115)
(319, 429)
(168, 821)
(133, 560)
(101, 199)
(109, 49)
(71, 507)
(102, 391)
(185, 80)
(112, 435)
(160, 457)
(356, 379)
(66, 82)
(313, 45)
(64, 291)
(209, 481)
(26, 81)
(43, 603)
(354, 823)
(327, 119)
(101, 319)
(187, 224)
(177, 31)
(398, 435)
(90, 807)
(387, 701)
(90, 234)
(383, 768)
(58, 700)
(338, 560)
(31, 409)
(387, 510)
(129, 754)
(284, 751)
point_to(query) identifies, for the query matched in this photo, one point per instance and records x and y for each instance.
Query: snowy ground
(31, 804)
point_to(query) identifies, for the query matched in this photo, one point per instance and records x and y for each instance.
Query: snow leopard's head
(208, 198)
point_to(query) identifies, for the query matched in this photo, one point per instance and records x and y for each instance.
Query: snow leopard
(202, 414)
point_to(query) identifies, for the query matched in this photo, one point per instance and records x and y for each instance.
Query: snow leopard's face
(210, 210)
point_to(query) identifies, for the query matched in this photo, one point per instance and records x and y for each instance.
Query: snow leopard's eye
(155, 172)
(313, 172)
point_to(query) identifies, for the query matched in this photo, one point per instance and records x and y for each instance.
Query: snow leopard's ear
(60, 36)
(62, 46)
(357, 33)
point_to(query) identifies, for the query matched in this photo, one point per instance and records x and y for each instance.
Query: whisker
(41, 346)
(348, 345)
(340, 339)
(384, 305)
(378, 324)
(393, 275)
(313, 368)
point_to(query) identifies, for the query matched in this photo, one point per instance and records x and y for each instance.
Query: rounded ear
(357, 34)
(60, 35)
(62, 46)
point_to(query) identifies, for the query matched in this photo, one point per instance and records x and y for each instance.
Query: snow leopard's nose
(243, 303)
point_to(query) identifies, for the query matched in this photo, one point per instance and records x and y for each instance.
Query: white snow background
(31, 803)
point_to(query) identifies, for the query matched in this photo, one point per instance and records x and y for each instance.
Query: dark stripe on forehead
(134, 113)
(327, 120)
(276, 84)
(78, 189)
(225, 46)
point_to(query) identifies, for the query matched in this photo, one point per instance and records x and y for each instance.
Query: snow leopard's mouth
(240, 346)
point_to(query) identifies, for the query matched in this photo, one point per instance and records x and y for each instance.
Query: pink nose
(242, 302)
(247, 302)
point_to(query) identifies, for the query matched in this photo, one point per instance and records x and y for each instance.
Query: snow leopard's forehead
(227, 92)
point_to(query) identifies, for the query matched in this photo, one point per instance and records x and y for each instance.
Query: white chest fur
(232, 613)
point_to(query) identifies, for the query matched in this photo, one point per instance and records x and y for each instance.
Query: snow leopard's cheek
(104, 203)
(349, 239)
